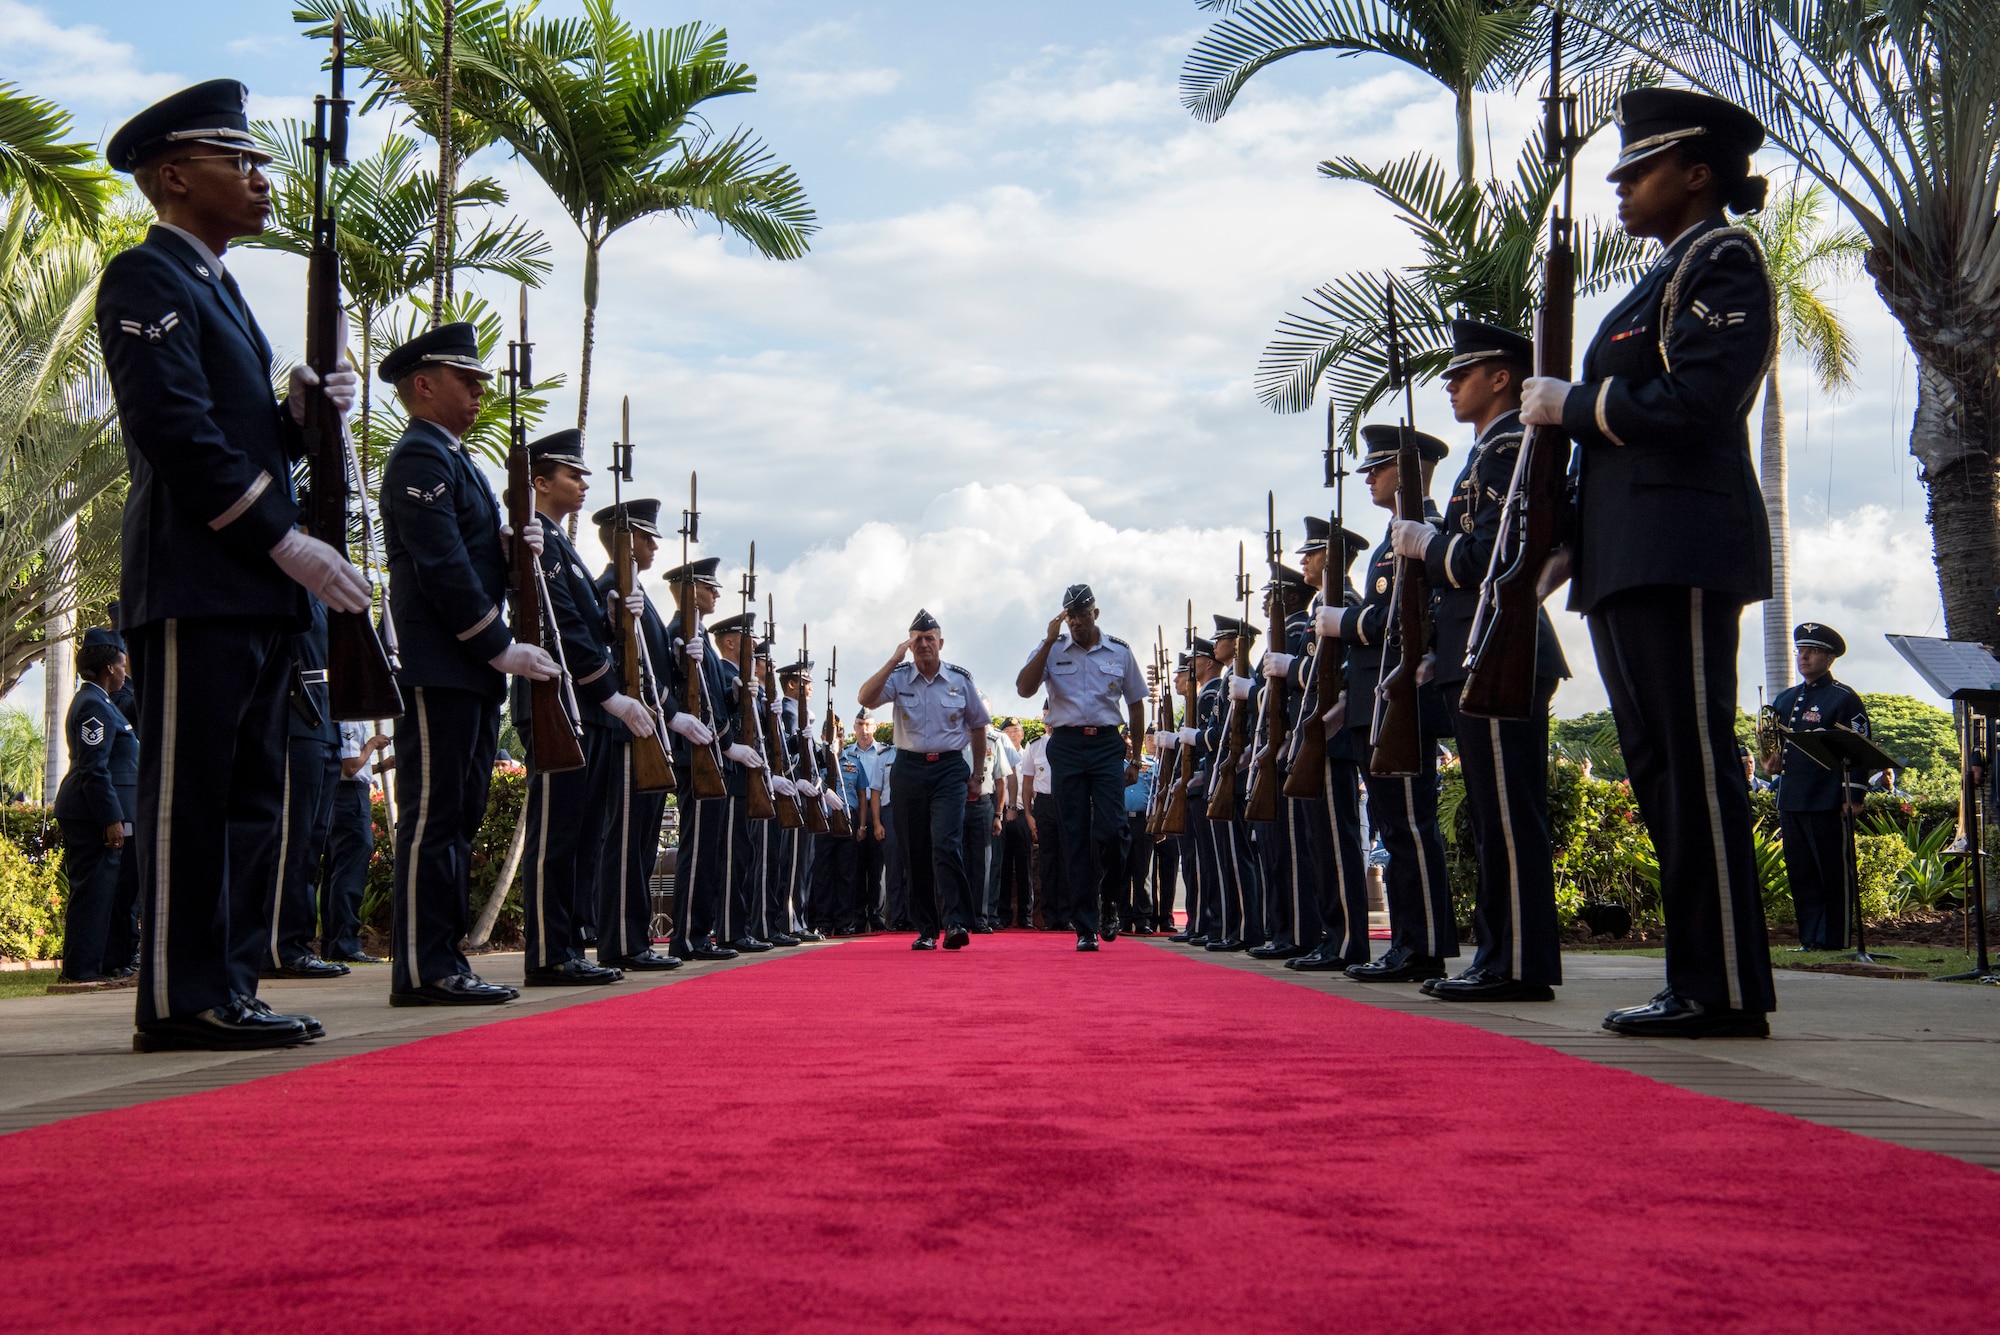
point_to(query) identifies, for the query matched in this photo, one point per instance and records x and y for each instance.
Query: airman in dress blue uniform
(94, 807)
(1671, 539)
(1207, 918)
(1291, 901)
(1810, 795)
(215, 568)
(1239, 916)
(312, 768)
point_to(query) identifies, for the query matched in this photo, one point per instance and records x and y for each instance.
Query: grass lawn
(26, 982)
(1933, 960)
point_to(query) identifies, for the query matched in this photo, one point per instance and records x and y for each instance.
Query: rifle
(1174, 819)
(704, 762)
(1261, 804)
(1506, 628)
(652, 772)
(814, 809)
(1326, 675)
(1222, 778)
(555, 733)
(758, 791)
(360, 679)
(838, 824)
(1156, 695)
(1397, 737)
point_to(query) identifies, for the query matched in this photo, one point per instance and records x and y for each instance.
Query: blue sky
(1020, 352)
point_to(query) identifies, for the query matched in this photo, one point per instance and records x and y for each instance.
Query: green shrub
(504, 801)
(1879, 860)
(32, 896)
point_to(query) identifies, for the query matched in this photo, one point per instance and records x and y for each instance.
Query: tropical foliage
(62, 177)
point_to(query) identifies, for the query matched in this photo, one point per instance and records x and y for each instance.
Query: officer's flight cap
(1812, 635)
(923, 621)
(1652, 120)
(1078, 596)
(743, 623)
(103, 635)
(455, 344)
(1384, 440)
(638, 516)
(1474, 341)
(700, 571)
(214, 113)
(563, 447)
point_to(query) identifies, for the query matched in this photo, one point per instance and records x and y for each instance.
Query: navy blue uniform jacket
(659, 648)
(1814, 707)
(102, 784)
(580, 622)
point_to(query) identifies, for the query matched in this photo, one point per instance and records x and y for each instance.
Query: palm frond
(63, 179)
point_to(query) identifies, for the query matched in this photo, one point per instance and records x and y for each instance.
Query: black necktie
(235, 293)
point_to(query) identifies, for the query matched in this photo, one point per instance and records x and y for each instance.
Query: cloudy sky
(1020, 352)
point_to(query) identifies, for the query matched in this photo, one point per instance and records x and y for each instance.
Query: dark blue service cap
(1475, 341)
(455, 344)
(923, 620)
(1384, 440)
(563, 447)
(214, 113)
(1288, 578)
(743, 623)
(1226, 626)
(701, 571)
(104, 635)
(1652, 120)
(1202, 649)
(1812, 635)
(800, 668)
(638, 516)
(1078, 596)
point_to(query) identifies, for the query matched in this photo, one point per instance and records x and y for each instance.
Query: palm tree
(1803, 255)
(1466, 45)
(64, 181)
(610, 118)
(1894, 107)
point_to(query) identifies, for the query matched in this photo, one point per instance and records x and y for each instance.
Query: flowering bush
(32, 896)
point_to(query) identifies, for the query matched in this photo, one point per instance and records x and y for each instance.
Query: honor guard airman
(312, 768)
(1423, 933)
(1240, 883)
(1671, 537)
(1818, 858)
(939, 714)
(447, 584)
(1291, 902)
(1096, 717)
(1505, 763)
(1209, 917)
(215, 569)
(94, 808)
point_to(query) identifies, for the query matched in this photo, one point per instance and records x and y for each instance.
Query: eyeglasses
(245, 164)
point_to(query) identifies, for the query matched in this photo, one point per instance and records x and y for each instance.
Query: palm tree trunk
(1954, 436)
(447, 169)
(590, 248)
(1778, 607)
(1468, 160)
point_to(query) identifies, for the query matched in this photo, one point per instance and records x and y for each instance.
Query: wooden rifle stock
(771, 742)
(1236, 735)
(1398, 740)
(1266, 778)
(837, 823)
(1175, 821)
(1325, 679)
(553, 745)
(704, 764)
(652, 772)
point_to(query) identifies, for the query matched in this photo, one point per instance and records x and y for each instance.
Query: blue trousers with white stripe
(445, 744)
(1417, 885)
(1506, 769)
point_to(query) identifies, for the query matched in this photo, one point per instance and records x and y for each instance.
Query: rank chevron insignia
(153, 332)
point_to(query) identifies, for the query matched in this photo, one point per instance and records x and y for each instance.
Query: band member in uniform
(1671, 539)
(1091, 755)
(630, 839)
(312, 768)
(447, 551)
(1423, 933)
(215, 568)
(1505, 763)
(1330, 821)
(938, 714)
(1818, 858)
(94, 808)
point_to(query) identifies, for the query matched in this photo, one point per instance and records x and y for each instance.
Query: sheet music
(1952, 668)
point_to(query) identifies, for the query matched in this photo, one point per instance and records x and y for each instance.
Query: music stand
(1966, 672)
(1846, 750)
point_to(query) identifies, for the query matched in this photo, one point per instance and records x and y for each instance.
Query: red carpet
(1015, 1138)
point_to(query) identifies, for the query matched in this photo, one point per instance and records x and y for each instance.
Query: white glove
(833, 800)
(1410, 537)
(525, 660)
(1277, 665)
(1239, 687)
(324, 571)
(1326, 622)
(784, 787)
(692, 728)
(693, 649)
(631, 713)
(745, 756)
(1166, 741)
(777, 709)
(535, 538)
(810, 789)
(1187, 736)
(635, 602)
(1542, 399)
(341, 386)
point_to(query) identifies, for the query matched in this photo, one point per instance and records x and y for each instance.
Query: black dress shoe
(306, 966)
(459, 989)
(956, 938)
(984, 929)
(924, 943)
(749, 945)
(1198, 939)
(1111, 933)
(1275, 950)
(1400, 965)
(1229, 943)
(812, 934)
(1182, 935)
(1670, 1016)
(1086, 942)
(708, 949)
(1482, 985)
(358, 957)
(313, 1028)
(646, 961)
(230, 1027)
(786, 939)
(572, 973)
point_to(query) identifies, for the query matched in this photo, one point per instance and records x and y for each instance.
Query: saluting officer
(1092, 755)
(312, 768)
(215, 568)
(447, 553)
(1330, 820)
(1671, 538)
(1818, 858)
(1505, 762)
(94, 807)
(1423, 932)
(630, 840)
(938, 714)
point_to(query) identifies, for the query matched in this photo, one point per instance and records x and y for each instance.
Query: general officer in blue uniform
(94, 808)
(1818, 858)
(1505, 763)
(447, 552)
(1671, 540)
(938, 715)
(1422, 929)
(1094, 749)
(312, 768)
(215, 568)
